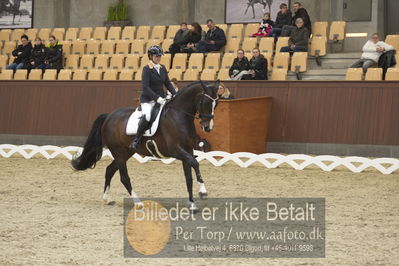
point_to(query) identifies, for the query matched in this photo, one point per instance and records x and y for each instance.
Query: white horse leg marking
(202, 188)
(213, 112)
(136, 199)
(106, 194)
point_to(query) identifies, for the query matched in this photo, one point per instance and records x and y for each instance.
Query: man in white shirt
(372, 51)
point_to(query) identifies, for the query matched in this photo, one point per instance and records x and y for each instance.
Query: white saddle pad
(133, 123)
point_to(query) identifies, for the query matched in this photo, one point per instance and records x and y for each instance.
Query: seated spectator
(224, 92)
(300, 12)
(372, 51)
(284, 17)
(21, 54)
(37, 56)
(215, 39)
(192, 38)
(240, 66)
(54, 55)
(177, 44)
(265, 26)
(258, 66)
(299, 39)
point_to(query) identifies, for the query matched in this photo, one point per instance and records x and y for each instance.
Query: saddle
(133, 121)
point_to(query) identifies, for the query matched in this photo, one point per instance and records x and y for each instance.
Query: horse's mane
(182, 90)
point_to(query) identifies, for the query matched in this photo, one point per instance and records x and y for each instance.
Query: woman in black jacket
(284, 17)
(240, 66)
(192, 38)
(37, 55)
(258, 65)
(54, 55)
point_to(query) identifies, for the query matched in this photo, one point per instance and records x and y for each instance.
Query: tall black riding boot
(143, 124)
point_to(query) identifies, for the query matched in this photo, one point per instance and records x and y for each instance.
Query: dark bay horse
(174, 138)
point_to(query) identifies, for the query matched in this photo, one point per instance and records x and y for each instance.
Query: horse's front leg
(203, 194)
(189, 183)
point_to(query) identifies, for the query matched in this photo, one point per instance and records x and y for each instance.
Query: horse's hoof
(111, 203)
(203, 195)
(193, 207)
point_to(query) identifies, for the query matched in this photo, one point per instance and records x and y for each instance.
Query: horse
(174, 138)
(251, 3)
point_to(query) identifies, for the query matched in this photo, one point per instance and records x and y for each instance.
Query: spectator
(284, 17)
(265, 26)
(299, 39)
(215, 39)
(224, 92)
(372, 51)
(258, 66)
(179, 38)
(54, 55)
(21, 54)
(240, 66)
(300, 12)
(192, 38)
(38, 55)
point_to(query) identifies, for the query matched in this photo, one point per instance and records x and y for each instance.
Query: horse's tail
(93, 148)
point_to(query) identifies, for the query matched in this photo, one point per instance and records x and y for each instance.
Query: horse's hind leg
(109, 173)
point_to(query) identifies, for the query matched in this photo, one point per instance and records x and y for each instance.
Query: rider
(154, 77)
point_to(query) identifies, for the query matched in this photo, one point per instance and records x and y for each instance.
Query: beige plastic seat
(5, 35)
(122, 47)
(110, 74)
(251, 29)
(143, 33)
(166, 60)
(50, 74)
(158, 32)
(16, 34)
(93, 47)
(72, 61)
(354, 74)
(191, 74)
(268, 57)
(212, 61)
(6, 74)
(79, 74)
(281, 42)
(337, 31)
(31, 33)
(281, 60)
(171, 32)
(179, 62)
(95, 74)
(227, 61)
(8, 47)
(126, 74)
(44, 33)
(138, 75)
(35, 74)
(266, 45)
(232, 45)
(223, 74)
(318, 47)
(392, 74)
(223, 27)
(208, 74)
(299, 62)
(175, 73)
(394, 41)
(374, 74)
(235, 31)
(132, 62)
(128, 33)
(58, 33)
(3, 61)
(279, 74)
(101, 61)
(108, 47)
(117, 61)
(71, 34)
(196, 62)
(166, 44)
(86, 62)
(78, 47)
(319, 29)
(204, 27)
(66, 47)
(151, 43)
(248, 44)
(114, 33)
(65, 74)
(99, 33)
(144, 61)
(85, 33)
(21, 74)
(138, 47)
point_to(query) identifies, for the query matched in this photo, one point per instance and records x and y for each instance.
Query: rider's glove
(161, 100)
(169, 96)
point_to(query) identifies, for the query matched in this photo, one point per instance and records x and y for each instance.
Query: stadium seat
(108, 47)
(251, 29)
(235, 31)
(143, 33)
(66, 47)
(126, 74)
(166, 60)
(208, 74)
(196, 61)
(79, 74)
(44, 33)
(138, 47)
(223, 27)
(319, 29)
(3, 61)
(268, 58)
(16, 34)
(117, 61)
(132, 62)
(394, 41)
(266, 45)
(354, 74)
(85, 33)
(8, 47)
(35, 74)
(223, 74)
(281, 60)
(65, 74)
(138, 74)
(71, 34)
(318, 47)
(31, 33)
(5, 35)
(99, 33)
(227, 61)
(72, 61)
(337, 31)
(158, 32)
(166, 44)
(279, 74)
(392, 74)
(86, 62)
(6, 74)
(114, 33)
(111, 74)
(232, 46)
(144, 61)
(191, 74)
(374, 74)
(128, 33)
(21, 74)
(78, 47)
(204, 27)
(95, 74)
(299, 62)
(50, 74)
(171, 32)
(212, 61)
(248, 44)
(93, 47)
(151, 43)
(179, 62)
(122, 47)
(175, 73)
(281, 42)
(58, 33)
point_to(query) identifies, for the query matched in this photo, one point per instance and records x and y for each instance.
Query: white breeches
(146, 108)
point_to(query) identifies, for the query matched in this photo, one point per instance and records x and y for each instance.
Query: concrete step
(320, 74)
(334, 61)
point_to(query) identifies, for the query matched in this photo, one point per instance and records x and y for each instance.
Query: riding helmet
(155, 50)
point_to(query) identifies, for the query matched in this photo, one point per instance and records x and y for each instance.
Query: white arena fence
(218, 158)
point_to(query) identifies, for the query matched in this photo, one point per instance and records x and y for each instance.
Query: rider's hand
(161, 101)
(169, 96)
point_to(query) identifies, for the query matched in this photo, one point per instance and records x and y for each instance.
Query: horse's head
(206, 103)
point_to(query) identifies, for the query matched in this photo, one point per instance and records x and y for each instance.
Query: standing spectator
(299, 39)
(215, 39)
(372, 51)
(21, 54)
(179, 38)
(54, 55)
(265, 26)
(258, 66)
(38, 55)
(284, 17)
(192, 38)
(240, 66)
(300, 12)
